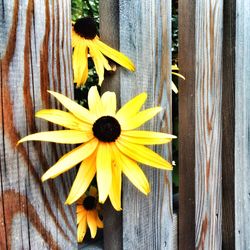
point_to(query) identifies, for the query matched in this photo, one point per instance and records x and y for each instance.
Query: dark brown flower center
(86, 27)
(89, 203)
(106, 129)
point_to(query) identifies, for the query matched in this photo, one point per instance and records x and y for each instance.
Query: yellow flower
(175, 67)
(86, 42)
(87, 214)
(110, 143)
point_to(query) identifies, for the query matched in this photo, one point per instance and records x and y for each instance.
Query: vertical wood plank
(109, 32)
(207, 102)
(145, 36)
(187, 125)
(228, 126)
(242, 125)
(35, 55)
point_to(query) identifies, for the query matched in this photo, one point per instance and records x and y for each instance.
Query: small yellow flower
(110, 143)
(86, 42)
(87, 214)
(175, 67)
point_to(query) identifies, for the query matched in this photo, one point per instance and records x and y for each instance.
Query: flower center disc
(86, 27)
(89, 203)
(106, 129)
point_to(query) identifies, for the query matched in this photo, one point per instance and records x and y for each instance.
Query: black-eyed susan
(110, 143)
(87, 213)
(176, 68)
(85, 42)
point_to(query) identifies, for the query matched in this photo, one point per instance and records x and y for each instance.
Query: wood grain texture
(208, 125)
(242, 125)
(228, 126)
(145, 36)
(109, 33)
(35, 56)
(204, 37)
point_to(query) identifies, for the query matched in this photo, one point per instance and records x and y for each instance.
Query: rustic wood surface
(242, 125)
(35, 56)
(206, 71)
(228, 126)
(145, 36)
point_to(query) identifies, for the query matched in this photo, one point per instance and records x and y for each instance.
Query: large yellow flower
(87, 214)
(86, 42)
(110, 143)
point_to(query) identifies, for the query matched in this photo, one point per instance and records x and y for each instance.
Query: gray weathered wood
(35, 53)
(207, 100)
(242, 125)
(145, 36)
(208, 142)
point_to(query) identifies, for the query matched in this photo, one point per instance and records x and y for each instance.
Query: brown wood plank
(109, 32)
(187, 125)
(35, 56)
(145, 36)
(205, 38)
(228, 129)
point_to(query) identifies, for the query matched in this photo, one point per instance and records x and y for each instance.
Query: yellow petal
(174, 67)
(142, 154)
(92, 223)
(83, 179)
(81, 229)
(134, 173)
(99, 70)
(80, 60)
(115, 190)
(108, 100)
(179, 75)
(95, 53)
(75, 38)
(84, 77)
(61, 136)
(140, 118)
(104, 171)
(99, 223)
(174, 88)
(77, 110)
(80, 216)
(131, 107)
(115, 55)
(64, 119)
(80, 209)
(146, 137)
(70, 159)
(99, 60)
(94, 102)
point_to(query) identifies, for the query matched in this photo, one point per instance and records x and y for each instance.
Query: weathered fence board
(242, 125)
(35, 56)
(145, 36)
(206, 71)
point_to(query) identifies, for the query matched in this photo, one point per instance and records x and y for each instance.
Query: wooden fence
(214, 54)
